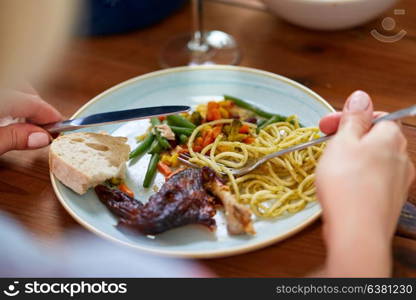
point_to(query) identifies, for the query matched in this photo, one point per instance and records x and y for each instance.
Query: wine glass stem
(198, 38)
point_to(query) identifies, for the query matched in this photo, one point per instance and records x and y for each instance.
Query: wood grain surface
(331, 63)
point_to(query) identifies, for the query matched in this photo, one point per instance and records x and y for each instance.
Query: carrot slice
(213, 105)
(244, 129)
(248, 140)
(199, 141)
(213, 111)
(174, 173)
(209, 138)
(164, 169)
(197, 148)
(216, 115)
(216, 131)
(126, 190)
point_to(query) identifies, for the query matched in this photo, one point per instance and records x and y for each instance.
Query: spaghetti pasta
(282, 185)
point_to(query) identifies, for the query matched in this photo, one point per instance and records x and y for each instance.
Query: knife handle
(60, 126)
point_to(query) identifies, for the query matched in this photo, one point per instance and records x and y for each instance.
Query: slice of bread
(84, 159)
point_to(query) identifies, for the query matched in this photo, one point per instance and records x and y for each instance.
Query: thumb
(357, 115)
(22, 136)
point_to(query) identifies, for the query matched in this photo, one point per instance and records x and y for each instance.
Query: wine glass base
(219, 48)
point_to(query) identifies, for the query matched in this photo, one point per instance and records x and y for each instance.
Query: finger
(22, 136)
(31, 107)
(25, 87)
(379, 114)
(329, 124)
(357, 116)
(387, 135)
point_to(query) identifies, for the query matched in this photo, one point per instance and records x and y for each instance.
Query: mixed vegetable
(167, 137)
(120, 185)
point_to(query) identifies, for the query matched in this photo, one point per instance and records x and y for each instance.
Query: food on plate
(283, 184)
(238, 216)
(83, 160)
(218, 136)
(188, 197)
(230, 134)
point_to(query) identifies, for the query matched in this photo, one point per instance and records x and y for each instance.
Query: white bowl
(328, 14)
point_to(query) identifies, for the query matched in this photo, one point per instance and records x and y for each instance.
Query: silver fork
(407, 112)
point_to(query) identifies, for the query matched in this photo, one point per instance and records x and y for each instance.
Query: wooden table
(332, 64)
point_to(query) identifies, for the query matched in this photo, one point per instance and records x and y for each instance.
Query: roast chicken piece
(182, 200)
(188, 197)
(238, 216)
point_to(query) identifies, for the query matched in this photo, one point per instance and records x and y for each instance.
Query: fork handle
(295, 148)
(400, 114)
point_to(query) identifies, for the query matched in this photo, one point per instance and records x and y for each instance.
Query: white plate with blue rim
(192, 86)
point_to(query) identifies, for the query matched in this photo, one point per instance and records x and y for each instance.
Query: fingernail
(358, 101)
(37, 140)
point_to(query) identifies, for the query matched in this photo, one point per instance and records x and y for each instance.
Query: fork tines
(184, 158)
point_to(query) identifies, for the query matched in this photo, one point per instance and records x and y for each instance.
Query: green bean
(143, 146)
(151, 170)
(179, 121)
(261, 122)
(162, 141)
(260, 125)
(181, 130)
(183, 138)
(248, 106)
(155, 148)
(155, 121)
(272, 120)
(258, 111)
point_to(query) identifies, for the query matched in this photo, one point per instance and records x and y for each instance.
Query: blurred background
(121, 39)
(118, 16)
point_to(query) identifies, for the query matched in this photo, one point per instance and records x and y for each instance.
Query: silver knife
(115, 117)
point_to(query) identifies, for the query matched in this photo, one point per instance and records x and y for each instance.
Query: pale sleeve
(81, 255)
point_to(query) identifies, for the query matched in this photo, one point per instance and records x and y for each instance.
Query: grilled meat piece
(182, 200)
(186, 198)
(118, 202)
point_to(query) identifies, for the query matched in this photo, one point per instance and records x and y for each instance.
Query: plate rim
(184, 254)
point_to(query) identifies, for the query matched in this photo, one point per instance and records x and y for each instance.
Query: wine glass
(200, 47)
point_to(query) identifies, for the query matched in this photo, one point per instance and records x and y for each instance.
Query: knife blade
(114, 117)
